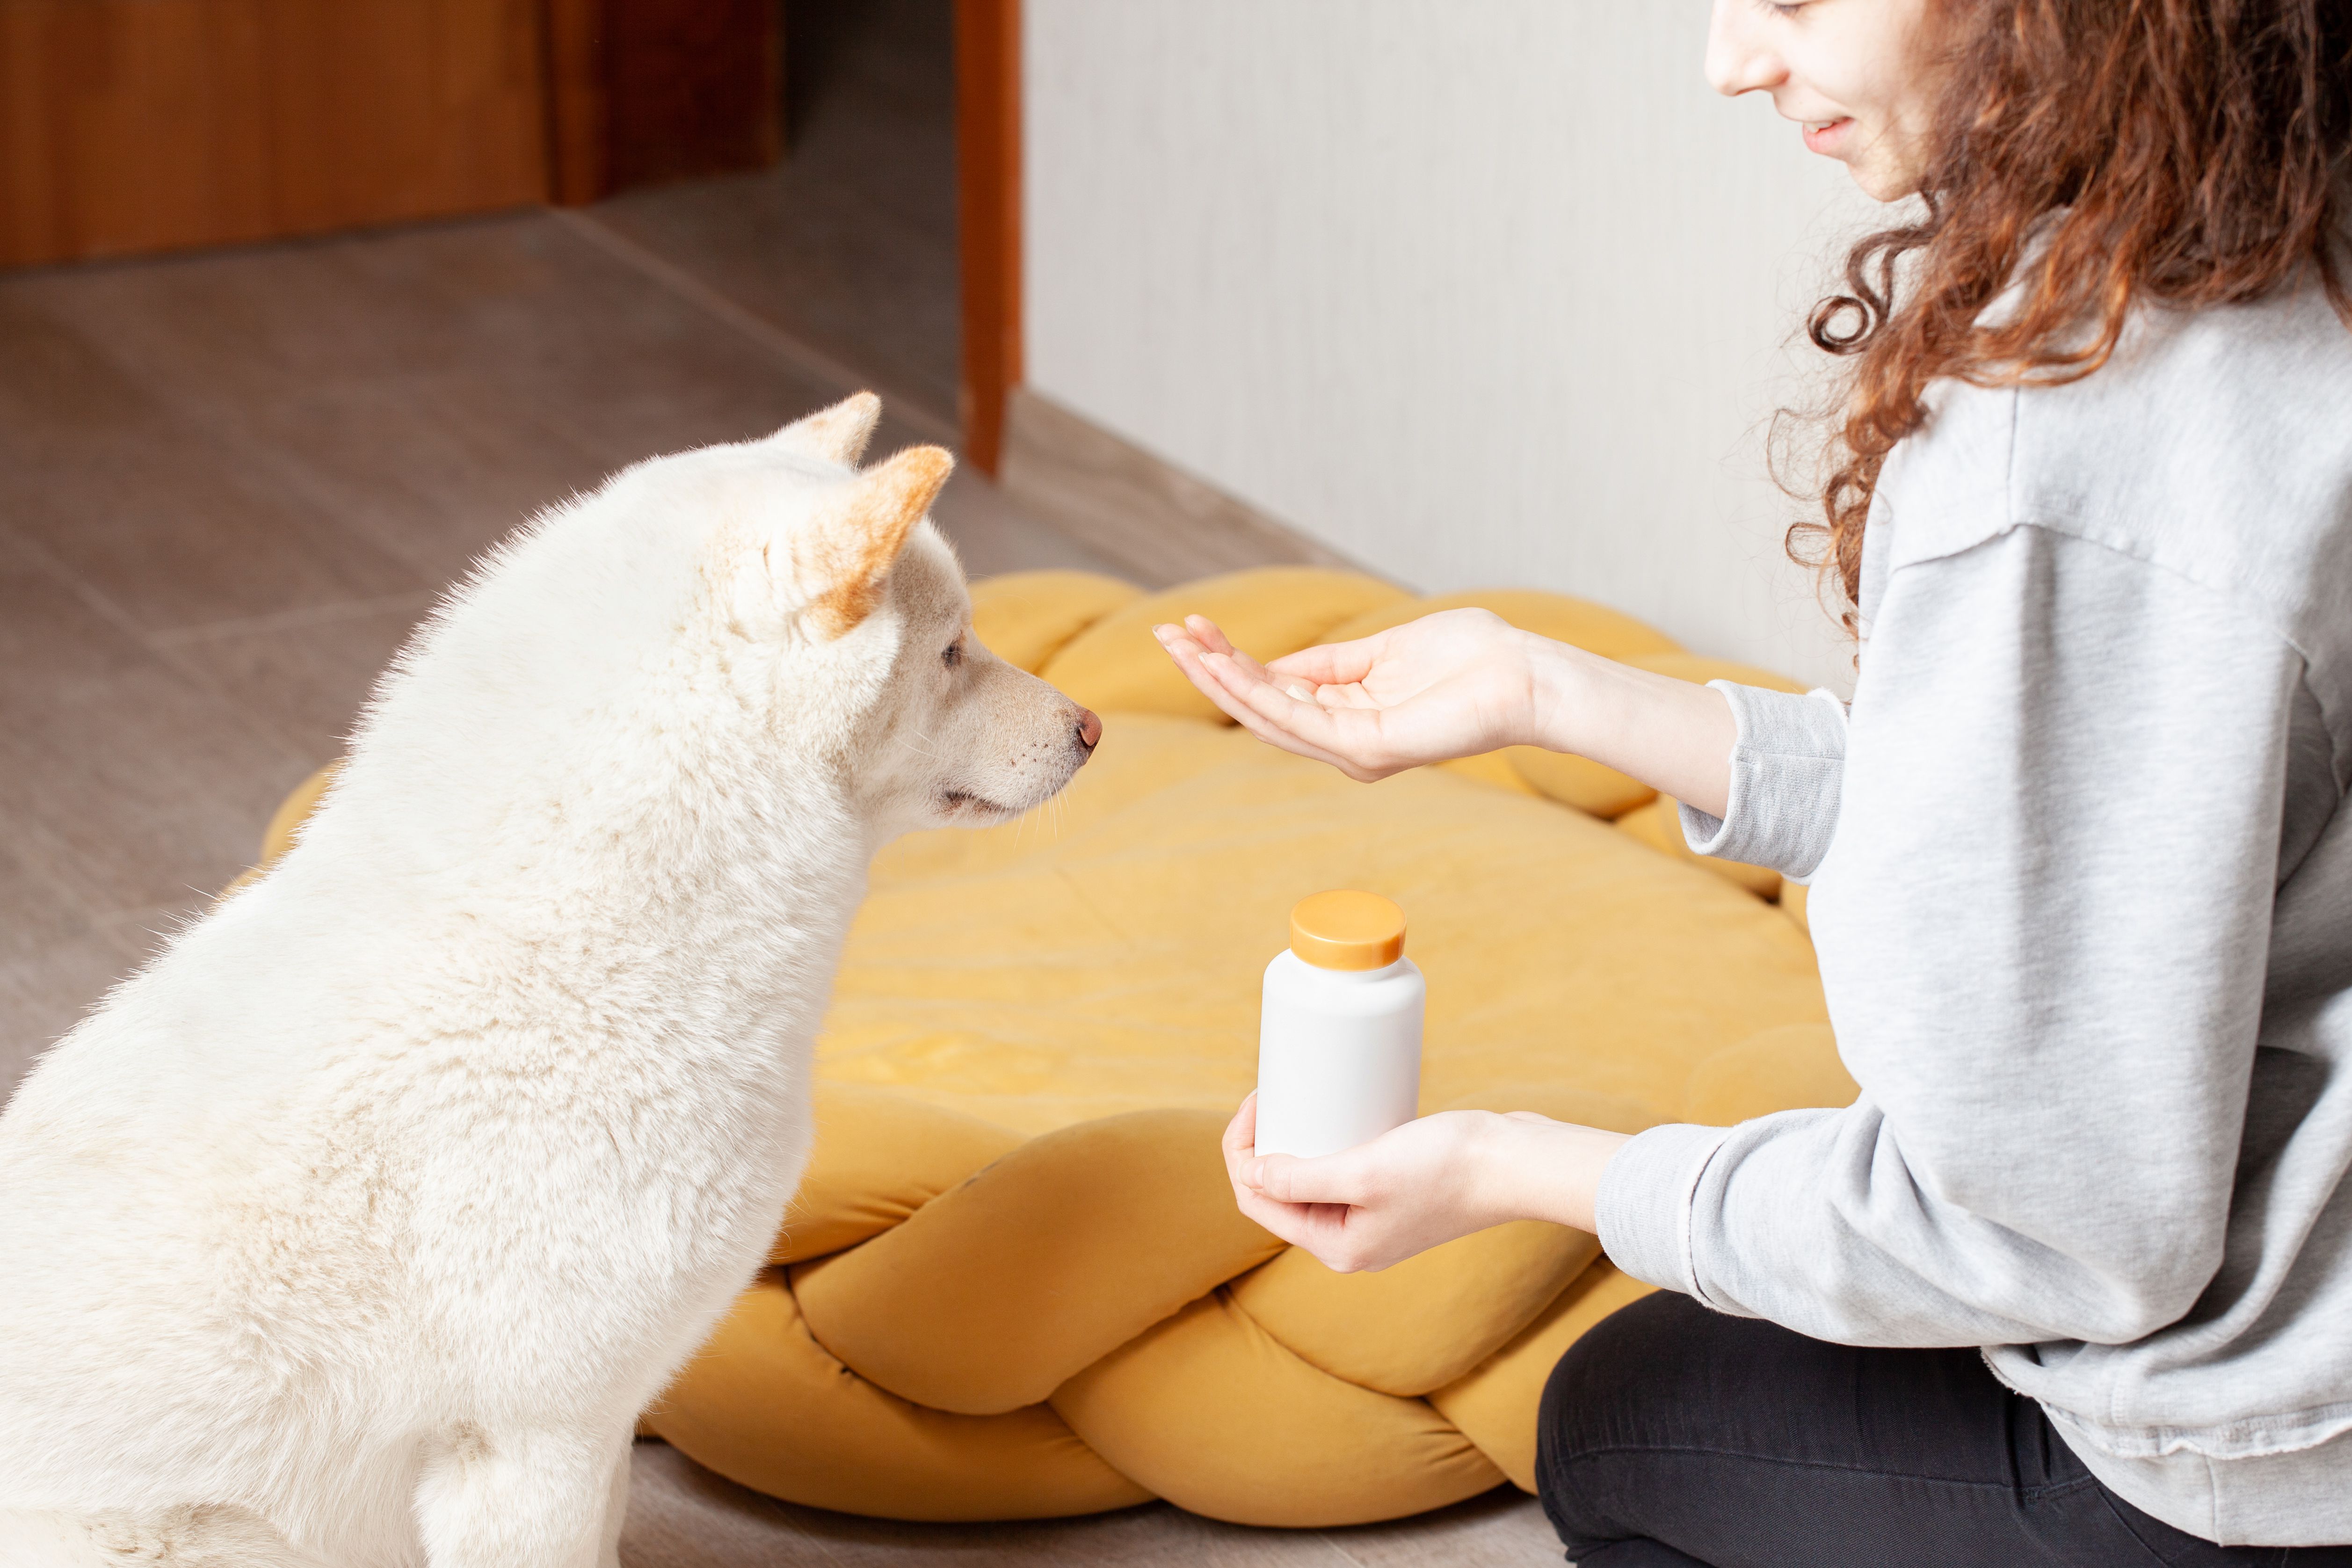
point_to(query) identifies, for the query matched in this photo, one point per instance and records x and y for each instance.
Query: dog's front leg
(617, 1508)
(517, 1498)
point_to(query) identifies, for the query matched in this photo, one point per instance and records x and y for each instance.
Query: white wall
(1475, 291)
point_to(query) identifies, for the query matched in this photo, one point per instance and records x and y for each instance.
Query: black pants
(1673, 1437)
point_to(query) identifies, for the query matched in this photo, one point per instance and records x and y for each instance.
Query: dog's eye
(952, 655)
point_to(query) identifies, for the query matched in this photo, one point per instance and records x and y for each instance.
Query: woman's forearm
(1673, 735)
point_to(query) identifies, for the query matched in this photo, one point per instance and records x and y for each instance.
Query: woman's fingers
(1310, 1226)
(1241, 1133)
(1212, 637)
(1345, 737)
(1213, 683)
(1331, 664)
(1285, 713)
(1318, 1227)
(1334, 1181)
(1225, 684)
(1189, 654)
(1300, 673)
(1207, 633)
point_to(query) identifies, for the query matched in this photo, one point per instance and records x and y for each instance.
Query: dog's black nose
(1089, 730)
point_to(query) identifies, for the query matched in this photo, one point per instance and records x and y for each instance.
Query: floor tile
(434, 469)
(305, 677)
(992, 535)
(36, 910)
(178, 532)
(850, 241)
(54, 380)
(50, 634)
(46, 987)
(138, 790)
(1504, 1529)
(1154, 1536)
(681, 1514)
(249, 322)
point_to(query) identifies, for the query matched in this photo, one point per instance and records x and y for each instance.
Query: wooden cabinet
(140, 125)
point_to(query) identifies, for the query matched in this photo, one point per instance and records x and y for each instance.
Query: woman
(2080, 863)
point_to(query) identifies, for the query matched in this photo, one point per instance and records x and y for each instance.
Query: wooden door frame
(988, 199)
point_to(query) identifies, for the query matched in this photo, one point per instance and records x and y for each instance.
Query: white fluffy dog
(358, 1227)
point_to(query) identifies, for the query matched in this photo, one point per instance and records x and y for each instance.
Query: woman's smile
(1826, 136)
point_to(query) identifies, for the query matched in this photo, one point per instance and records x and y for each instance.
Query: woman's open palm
(1449, 685)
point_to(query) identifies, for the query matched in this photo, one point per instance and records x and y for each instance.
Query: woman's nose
(1739, 57)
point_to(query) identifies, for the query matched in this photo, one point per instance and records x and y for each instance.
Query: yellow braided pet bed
(1013, 1283)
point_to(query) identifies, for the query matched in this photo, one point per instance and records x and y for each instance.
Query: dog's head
(710, 638)
(838, 574)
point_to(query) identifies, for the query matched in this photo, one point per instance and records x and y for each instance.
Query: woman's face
(1845, 70)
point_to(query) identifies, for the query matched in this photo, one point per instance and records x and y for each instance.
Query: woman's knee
(1610, 1396)
(1616, 1375)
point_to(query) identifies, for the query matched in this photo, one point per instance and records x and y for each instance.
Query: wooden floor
(849, 243)
(681, 1516)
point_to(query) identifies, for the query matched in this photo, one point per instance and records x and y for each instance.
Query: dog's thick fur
(358, 1227)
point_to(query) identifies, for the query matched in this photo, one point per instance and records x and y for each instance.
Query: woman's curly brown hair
(2100, 154)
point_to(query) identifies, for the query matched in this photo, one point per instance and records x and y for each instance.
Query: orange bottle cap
(1347, 929)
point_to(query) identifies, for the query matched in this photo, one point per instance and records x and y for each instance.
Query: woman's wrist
(1567, 695)
(1674, 736)
(1532, 1167)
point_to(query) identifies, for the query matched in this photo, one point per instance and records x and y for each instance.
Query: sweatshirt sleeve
(2043, 930)
(1786, 767)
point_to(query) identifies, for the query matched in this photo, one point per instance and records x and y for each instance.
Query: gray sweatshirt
(2082, 890)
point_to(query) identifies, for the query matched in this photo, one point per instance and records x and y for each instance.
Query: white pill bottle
(1339, 1045)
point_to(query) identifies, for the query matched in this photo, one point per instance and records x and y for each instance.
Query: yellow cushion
(1026, 618)
(1796, 1065)
(1108, 959)
(1612, 634)
(1577, 780)
(1659, 826)
(1012, 1282)
(1792, 904)
(924, 1311)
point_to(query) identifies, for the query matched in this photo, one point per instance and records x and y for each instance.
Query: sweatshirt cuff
(1643, 1207)
(1788, 766)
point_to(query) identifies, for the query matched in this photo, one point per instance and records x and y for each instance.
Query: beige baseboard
(1160, 524)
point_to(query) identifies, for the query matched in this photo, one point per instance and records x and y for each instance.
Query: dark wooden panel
(579, 112)
(134, 125)
(987, 158)
(650, 90)
(696, 86)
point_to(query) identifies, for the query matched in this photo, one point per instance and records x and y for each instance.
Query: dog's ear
(835, 435)
(858, 531)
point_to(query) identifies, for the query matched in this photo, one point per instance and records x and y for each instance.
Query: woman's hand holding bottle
(1421, 1185)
